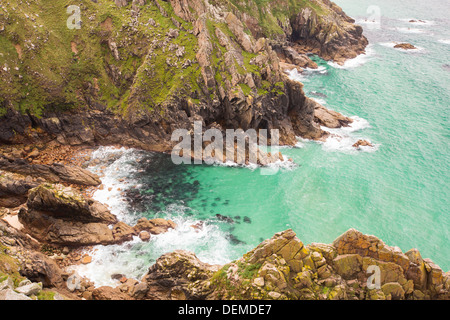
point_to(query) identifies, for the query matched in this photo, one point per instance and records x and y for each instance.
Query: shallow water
(398, 191)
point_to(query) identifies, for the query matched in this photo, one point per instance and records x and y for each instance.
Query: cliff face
(283, 268)
(137, 70)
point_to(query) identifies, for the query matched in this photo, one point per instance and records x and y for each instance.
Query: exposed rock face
(333, 35)
(173, 272)
(330, 118)
(13, 190)
(203, 60)
(53, 173)
(64, 217)
(284, 268)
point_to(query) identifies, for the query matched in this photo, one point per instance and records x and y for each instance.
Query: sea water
(398, 190)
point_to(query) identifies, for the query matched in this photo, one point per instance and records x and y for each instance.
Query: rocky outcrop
(284, 268)
(330, 34)
(329, 118)
(57, 173)
(61, 216)
(201, 61)
(405, 46)
(14, 189)
(362, 143)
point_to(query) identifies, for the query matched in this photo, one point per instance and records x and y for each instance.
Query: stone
(140, 290)
(362, 143)
(7, 284)
(144, 236)
(393, 289)
(24, 283)
(405, 46)
(30, 289)
(259, 281)
(348, 265)
(274, 295)
(86, 259)
(9, 294)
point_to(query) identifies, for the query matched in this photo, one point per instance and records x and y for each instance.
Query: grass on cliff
(273, 15)
(9, 267)
(45, 65)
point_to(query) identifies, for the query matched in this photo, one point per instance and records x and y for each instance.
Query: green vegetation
(9, 267)
(121, 60)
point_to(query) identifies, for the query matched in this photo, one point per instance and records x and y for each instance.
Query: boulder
(394, 290)
(405, 46)
(65, 217)
(67, 203)
(154, 226)
(348, 265)
(30, 289)
(362, 143)
(330, 118)
(10, 294)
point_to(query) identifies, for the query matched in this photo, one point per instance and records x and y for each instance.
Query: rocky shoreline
(232, 65)
(54, 226)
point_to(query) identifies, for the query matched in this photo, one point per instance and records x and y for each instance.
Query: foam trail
(409, 30)
(120, 163)
(132, 259)
(342, 139)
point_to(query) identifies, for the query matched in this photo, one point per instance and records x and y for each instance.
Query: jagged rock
(53, 173)
(332, 36)
(405, 46)
(330, 118)
(154, 226)
(394, 290)
(348, 265)
(177, 270)
(282, 268)
(13, 190)
(362, 143)
(67, 203)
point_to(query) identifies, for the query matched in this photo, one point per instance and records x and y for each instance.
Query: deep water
(397, 191)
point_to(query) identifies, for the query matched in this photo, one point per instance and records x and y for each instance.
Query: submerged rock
(362, 143)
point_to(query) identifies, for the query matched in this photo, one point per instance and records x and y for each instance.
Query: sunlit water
(397, 191)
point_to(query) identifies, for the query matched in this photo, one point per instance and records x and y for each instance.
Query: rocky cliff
(284, 268)
(137, 70)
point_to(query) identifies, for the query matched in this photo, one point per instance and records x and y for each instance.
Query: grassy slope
(50, 75)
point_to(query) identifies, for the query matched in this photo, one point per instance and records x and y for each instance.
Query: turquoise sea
(397, 191)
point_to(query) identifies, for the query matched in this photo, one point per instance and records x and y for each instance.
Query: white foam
(445, 41)
(355, 62)
(319, 100)
(118, 163)
(319, 69)
(342, 139)
(132, 259)
(296, 76)
(409, 30)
